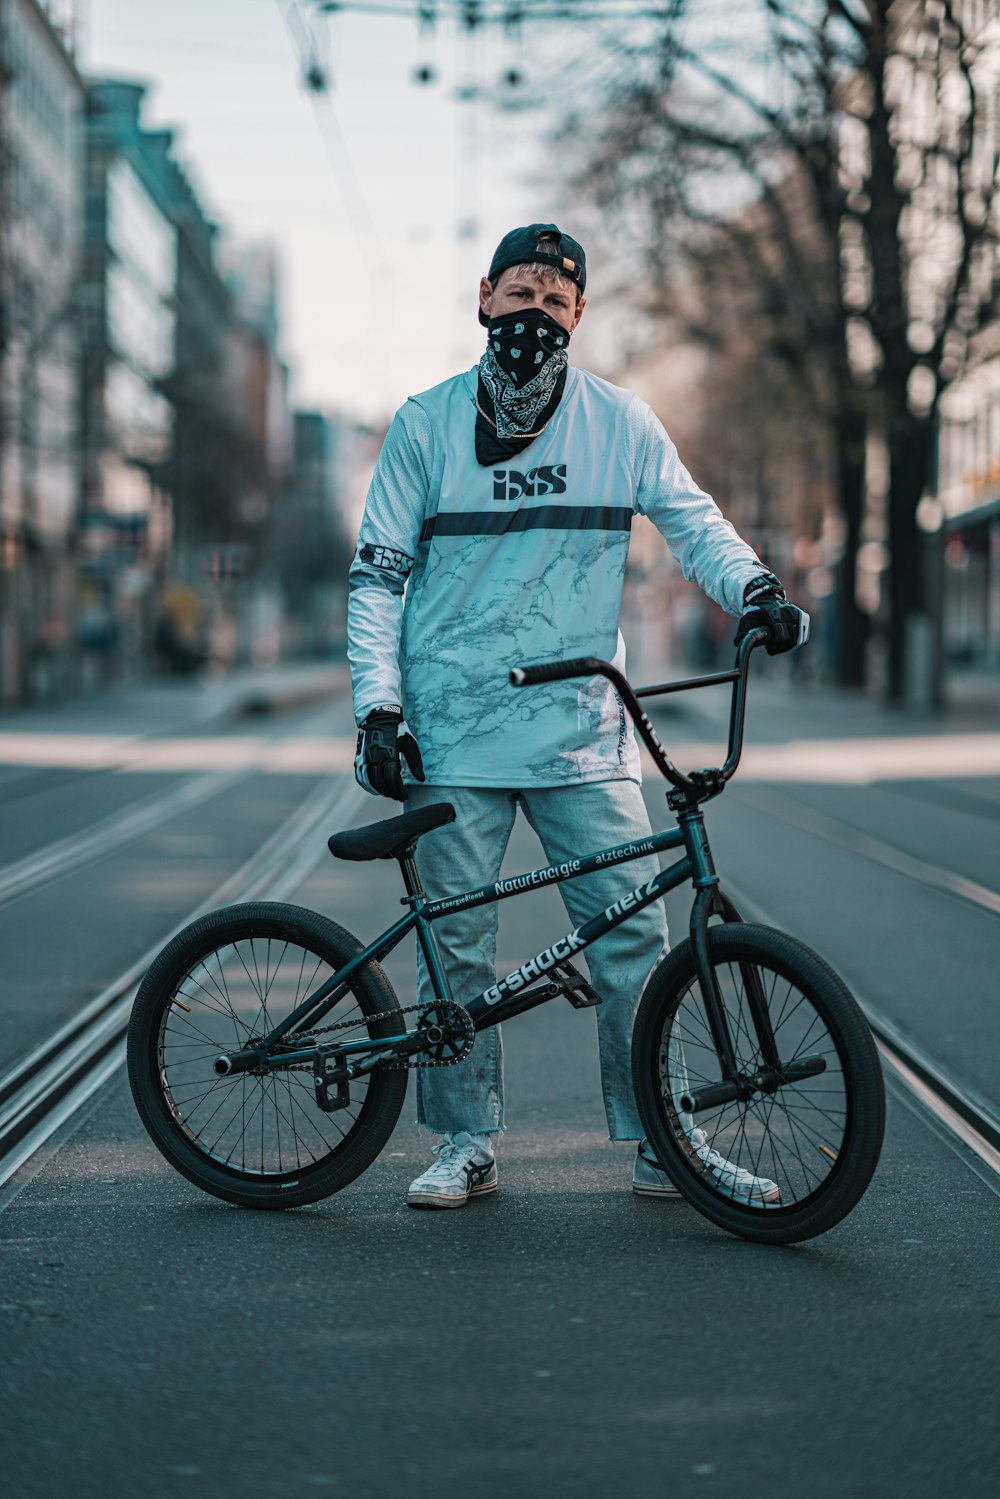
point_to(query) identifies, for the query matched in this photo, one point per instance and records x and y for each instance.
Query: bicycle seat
(390, 838)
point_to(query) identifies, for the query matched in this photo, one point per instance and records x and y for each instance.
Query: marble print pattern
(559, 599)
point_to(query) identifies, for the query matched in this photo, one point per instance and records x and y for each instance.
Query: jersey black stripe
(535, 518)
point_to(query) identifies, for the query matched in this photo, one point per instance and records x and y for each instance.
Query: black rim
(792, 1140)
(270, 1126)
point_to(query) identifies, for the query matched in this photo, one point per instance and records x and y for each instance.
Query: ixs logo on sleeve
(385, 557)
(508, 484)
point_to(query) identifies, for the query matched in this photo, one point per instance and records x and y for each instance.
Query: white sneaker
(738, 1183)
(462, 1170)
(648, 1177)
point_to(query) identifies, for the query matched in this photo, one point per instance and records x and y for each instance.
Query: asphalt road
(563, 1337)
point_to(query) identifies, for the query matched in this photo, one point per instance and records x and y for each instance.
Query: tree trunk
(850, 430)
(910, 454)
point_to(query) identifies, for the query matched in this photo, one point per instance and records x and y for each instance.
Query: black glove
(382, 738)
(766, 608)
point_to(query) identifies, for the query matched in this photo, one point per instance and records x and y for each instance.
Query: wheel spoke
(256, 1124)
(792, 1136)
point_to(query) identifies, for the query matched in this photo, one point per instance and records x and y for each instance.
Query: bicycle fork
(710, 900)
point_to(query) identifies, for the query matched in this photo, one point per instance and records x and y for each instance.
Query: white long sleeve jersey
(462, 572)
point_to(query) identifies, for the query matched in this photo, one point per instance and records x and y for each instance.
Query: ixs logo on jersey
(557, 953)
(508, 484)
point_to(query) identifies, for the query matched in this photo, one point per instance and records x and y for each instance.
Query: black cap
(542, 244)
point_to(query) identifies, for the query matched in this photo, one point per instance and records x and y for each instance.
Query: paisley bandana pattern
(525, 360)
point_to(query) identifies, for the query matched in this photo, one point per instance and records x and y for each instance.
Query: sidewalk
(779, 708)
(170, 704)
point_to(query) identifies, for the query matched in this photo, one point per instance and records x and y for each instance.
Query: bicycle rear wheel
(783, 1165)
(257, 1140)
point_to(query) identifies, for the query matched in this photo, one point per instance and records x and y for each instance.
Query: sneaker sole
(428, 1200)
(749, 1199)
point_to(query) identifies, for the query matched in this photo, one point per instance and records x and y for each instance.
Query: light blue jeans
(569, 821)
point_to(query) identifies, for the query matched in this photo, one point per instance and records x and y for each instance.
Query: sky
(363, 190)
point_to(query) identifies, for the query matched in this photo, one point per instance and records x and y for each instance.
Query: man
(501, 503)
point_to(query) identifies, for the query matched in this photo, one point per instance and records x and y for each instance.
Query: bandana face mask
(525, 361)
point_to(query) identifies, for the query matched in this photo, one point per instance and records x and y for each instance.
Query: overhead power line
(311, 51)
(475, 13)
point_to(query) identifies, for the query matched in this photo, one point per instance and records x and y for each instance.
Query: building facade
(41, 143)
(130, 290)
(967, 509)
(186, 428)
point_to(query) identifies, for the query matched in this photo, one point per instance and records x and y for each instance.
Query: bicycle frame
(514, 994)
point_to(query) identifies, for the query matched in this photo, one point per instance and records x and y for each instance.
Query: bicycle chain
(455, 1011)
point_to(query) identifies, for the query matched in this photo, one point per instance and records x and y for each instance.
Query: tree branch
(971, 236)
(861, 28)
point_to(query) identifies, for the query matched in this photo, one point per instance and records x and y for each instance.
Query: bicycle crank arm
(768, 1080)
(333, 1075)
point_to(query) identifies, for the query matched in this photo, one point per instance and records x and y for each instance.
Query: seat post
(411, 876)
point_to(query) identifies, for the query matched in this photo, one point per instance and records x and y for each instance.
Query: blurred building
(965, 515)
(311, 538)
(130, 288)
(257, 375)
(41, 112)
(203, 469)
(145, 437)
(245, 603)
(187, 434)
(212, 464)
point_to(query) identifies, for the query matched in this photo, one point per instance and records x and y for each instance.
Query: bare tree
(924, 196)
(842, 157)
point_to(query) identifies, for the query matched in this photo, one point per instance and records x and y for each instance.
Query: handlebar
(698, 783)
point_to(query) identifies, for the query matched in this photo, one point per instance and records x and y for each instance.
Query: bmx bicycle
(268, 1052)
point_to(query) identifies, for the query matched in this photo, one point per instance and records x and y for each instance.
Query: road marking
(852, 762)
(222, 753)
(63, 1109)
(811, 821)
(72, 853)
(225, 761)
(938, 1105)
(848, 762)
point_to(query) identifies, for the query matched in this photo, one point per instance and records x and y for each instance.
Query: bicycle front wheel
(258, 1140)
(781, 1163)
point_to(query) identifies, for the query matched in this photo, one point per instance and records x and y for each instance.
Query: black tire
(817, 1140)
(230, 974)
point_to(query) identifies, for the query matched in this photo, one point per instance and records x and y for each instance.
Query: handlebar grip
(555, 671)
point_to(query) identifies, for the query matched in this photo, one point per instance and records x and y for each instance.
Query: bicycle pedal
(329, 1071)
(571, 983)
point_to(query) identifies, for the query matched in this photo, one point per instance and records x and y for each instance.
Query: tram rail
(45, 1087)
